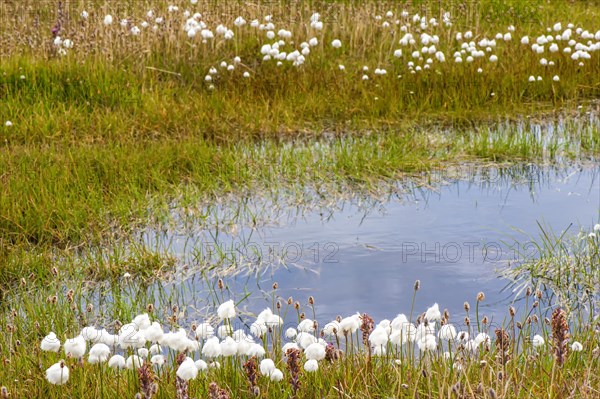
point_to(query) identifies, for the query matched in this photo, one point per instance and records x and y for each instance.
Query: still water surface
(361, 254)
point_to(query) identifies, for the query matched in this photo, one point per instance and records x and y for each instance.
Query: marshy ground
(144, 143)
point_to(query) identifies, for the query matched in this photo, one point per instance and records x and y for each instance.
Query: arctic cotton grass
(58, 373)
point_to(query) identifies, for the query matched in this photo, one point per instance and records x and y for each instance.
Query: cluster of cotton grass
(144, 343)
(417, 43)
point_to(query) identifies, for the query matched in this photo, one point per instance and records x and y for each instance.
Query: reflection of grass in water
(565, 266)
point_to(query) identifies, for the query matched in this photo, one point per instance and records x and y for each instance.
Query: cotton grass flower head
(305, 339)
(228, 347)
(427, 343)
(50, 343)
(291, 333)
(58, 373)
(306, 325)
(336, 43)
(212, 348)
(315, 351)
(143, 352)
(108, 20)
(201, 365)
(276, 375)
(224, 330)
(538, 341)
(8, 123)
(226, 310)
(482, 338)
(556, 78)
(447, 332)
(267, 366)
(98, 353)
(433, 313)
(75, 347)
(378, 337)
(134, 362)
(130, 336)
(157, 360)
(331, 329)
(153, 332)
(117, 362)
(311, 366)
(204, 331)
(576, 346)
(187, 370)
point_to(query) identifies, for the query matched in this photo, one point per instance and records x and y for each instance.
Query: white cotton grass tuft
(201, 365)
(228, 347)
(204, 331)
(315, 351)
(276, 375)
(108, 20)
(576, 346)
(311, 366)
(8, 123)
(267, 366)
(291, 333)
(336, 43)
(98, 353)
(211, 348)
(75, 347)
(447, 332)
(50, 343)
(433, 313)
(157, 360)
(134, 362)
(117, 362)
(224, 330)
(331, 329)
(58, 373)
(538, 341)
(427, 343)
(153, 332)
(187, 370)
(556, 78)
(306, 325)
(143, 353)
(226, 310)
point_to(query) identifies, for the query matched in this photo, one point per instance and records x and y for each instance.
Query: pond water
(364, 254)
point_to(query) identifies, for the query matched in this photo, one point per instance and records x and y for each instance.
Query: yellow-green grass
(121, 121)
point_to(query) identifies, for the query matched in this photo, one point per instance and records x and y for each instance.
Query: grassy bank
(105, 116)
